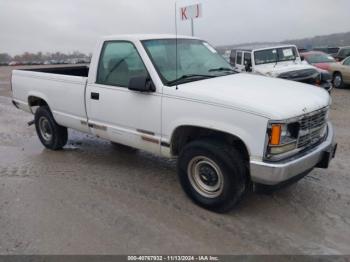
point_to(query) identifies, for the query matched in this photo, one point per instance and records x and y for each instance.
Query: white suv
(280, 62)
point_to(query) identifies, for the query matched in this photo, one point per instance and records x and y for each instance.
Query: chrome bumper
(275, 173)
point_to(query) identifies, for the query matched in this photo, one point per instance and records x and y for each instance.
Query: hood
(274, 70)
(335, 66)
(272, 98)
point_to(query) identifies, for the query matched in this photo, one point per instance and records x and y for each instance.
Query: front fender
(249, 128)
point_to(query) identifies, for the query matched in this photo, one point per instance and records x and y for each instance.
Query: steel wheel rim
(337, 80)
(45, 129)
(205, 177)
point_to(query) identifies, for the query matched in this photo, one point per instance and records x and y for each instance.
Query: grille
(312, 128)
(308, 76)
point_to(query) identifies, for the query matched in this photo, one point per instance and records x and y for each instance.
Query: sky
(69, 25)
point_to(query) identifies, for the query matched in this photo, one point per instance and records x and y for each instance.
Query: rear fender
(37, 95)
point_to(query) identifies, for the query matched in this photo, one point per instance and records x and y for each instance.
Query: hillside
(339, 39)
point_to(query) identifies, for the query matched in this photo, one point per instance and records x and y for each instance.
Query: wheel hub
(337, 80)
(205, 177)
(45, 129)
(208, 175)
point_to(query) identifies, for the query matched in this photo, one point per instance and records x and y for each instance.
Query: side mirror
(302, 58)
(141, 84)
(247, 66)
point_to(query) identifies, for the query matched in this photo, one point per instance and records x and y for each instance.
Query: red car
(319, 59)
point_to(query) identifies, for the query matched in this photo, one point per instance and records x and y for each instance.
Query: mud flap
(327, 157)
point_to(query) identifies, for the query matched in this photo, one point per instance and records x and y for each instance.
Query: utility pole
(192, 27)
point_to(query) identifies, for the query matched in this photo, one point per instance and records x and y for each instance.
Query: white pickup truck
(178, 98)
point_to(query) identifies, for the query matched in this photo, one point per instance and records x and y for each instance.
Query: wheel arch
(36, 100)
(185, 134)
(336, 73)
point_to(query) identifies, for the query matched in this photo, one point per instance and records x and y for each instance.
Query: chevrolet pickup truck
(178, 98)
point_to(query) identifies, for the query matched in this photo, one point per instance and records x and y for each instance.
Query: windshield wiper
(221, 69)
(184, 78)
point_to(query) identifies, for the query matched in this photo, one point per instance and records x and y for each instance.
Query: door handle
(95, 96)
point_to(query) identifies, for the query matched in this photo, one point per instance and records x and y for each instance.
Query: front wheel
(338, 80)
(51, 135)
(212, 174)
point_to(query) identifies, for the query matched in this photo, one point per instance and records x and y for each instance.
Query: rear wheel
(212, 174)
(51, 135)
(338, 80)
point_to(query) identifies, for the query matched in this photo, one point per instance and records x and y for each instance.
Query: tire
(51, 135)
(338, 81)
(212, 174)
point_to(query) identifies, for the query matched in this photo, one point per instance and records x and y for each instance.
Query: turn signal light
(275, 137)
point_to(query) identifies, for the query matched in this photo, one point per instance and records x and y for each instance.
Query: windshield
(275, 55)
(196, 60)
(319, 58)
(345, 52)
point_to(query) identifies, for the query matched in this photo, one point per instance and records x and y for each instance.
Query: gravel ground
(93, 198)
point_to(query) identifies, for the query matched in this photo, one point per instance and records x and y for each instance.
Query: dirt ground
(92, 198)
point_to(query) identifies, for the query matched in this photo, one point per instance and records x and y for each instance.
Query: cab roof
(259, 47)
(141, 37)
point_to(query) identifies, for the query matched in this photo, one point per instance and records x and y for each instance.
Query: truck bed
(63, 88)
(69, 70)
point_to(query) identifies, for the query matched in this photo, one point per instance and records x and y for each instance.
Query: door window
(233, 57)
(119, 62)
(247, 58)
(239, 58)
(347, 62)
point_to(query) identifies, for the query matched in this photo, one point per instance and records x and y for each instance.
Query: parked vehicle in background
(232, 58)
(341, 73)
(280, 62)
(318, 59)
(228, 131)
(14, 63)
(226, 55)
(333, 51)
(343, 53)
(302, 50)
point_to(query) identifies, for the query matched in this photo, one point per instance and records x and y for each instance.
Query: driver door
(117, 113)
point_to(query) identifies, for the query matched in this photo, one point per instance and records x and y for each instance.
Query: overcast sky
(68, 25)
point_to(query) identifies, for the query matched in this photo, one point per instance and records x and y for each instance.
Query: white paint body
(274, 69)
(239, 104)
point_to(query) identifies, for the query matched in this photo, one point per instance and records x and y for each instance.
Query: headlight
(318, 80)
(325, 76)
(282, 138)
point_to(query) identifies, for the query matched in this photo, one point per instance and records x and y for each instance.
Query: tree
(5, 58)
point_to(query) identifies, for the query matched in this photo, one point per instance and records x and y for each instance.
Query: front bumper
(276, 173)
(327, 86)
